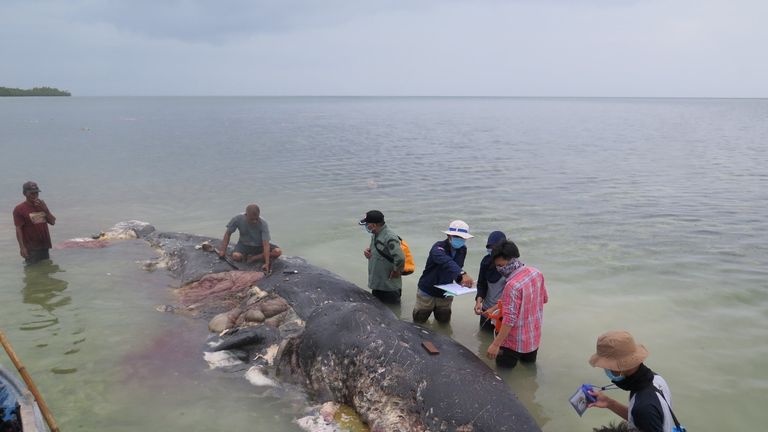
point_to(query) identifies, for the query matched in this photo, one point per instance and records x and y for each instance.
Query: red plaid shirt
(522, 304)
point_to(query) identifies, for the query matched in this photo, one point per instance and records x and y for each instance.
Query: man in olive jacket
(385, 259)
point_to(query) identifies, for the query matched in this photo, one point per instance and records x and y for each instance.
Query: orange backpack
(410, 264)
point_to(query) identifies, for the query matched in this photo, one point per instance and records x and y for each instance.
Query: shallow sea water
(643, 214)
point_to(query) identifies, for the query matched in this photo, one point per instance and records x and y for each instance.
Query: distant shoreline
(36, 91)
(576, 98)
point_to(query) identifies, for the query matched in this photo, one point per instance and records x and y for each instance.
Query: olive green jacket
(385, 244)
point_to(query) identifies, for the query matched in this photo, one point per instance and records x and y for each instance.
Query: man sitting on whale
(254, 238)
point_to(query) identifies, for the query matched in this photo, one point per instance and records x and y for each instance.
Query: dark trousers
(37, 255)
(252, 250)
(486, 324)
(392, 297)
(508, 358)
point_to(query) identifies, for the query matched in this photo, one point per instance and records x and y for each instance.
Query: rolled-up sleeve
(511, 301)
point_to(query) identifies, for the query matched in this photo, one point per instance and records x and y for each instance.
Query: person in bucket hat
(32, 218)
(458, 228)
(444, 265)
(650, 401)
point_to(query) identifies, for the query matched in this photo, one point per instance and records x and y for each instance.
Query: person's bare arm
(493, 349)
(478, 305)
(20, 238)
(267, 253)
(49, 217)
(604, 401)
(224, 243)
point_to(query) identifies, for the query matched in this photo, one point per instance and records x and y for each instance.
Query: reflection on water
(43, 290)
(46, 292)
(444, 328)
(523, 381)
(522, 378)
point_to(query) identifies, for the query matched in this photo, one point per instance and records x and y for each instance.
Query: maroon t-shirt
(34, 226)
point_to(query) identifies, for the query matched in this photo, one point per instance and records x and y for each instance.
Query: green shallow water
(643, 214)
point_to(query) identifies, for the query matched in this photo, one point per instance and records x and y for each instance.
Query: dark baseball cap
(495, 238)
(373, 216)
(29, 186)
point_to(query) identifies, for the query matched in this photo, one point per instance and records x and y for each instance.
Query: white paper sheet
(454, 289)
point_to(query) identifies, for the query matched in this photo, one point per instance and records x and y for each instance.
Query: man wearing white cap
(650, 402)
(444, 265)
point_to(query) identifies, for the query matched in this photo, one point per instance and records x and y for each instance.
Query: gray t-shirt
(250, 234)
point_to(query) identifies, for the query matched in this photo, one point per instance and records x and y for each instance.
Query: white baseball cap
(459, 228)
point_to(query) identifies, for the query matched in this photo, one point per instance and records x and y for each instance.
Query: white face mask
(366, 229)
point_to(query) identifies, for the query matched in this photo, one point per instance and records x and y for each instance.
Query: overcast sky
(681, 48)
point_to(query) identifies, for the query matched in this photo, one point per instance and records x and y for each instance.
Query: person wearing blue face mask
(490, 283)
(385, 258)
(650, 401)
(444, 265)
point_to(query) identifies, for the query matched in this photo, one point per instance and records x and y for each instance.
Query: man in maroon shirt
(31, 218)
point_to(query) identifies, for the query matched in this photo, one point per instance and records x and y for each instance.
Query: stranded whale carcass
(303, 324)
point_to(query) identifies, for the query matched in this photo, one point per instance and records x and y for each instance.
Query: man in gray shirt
(254, 238)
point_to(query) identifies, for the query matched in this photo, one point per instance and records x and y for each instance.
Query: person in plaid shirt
(522, 304)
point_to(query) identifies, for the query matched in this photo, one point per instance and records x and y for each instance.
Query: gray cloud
(217, 22)
(488, 47)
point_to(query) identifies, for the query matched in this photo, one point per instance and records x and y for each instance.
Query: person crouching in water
(522, 304)
(490, 283)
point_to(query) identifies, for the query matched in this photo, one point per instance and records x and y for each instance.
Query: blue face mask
(457, 242)
(612, 377)
(367, 230)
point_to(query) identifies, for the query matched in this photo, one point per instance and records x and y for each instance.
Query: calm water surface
(644, 214)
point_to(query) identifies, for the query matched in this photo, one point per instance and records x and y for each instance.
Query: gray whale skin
(351, 349)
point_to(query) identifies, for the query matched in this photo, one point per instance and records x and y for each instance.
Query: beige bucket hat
(617, 351)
